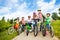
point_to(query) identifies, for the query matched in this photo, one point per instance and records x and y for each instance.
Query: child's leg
(47, 28)
(23, 27)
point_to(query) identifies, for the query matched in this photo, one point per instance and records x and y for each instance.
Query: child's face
(22, 18)
(34, 15)
(48, 15)
(28, 17)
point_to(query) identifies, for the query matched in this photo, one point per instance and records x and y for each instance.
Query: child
(40, 15)
(29, 20)
(16, 25)
(29, 23)
(48, 22)
(40, 18)
(34, 15)
(34, 20)
(23, 23)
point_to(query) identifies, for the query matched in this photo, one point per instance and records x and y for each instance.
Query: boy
(40, 16)
(29, 20)
(23, 23)
(16, 26)
(48, 22)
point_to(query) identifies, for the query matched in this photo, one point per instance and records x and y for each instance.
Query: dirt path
(23, 36)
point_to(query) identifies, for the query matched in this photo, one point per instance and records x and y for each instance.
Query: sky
(19, 8)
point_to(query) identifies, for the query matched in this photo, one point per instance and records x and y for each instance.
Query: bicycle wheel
(40, 27)
(51, 32)
(27, 32)
(20, 30)
(43, 32)
(11, 30)
(35, 31)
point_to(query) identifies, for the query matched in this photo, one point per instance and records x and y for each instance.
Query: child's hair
(38, 10)
(48, 14)
(22, 17)
(34, 14)
(29, 16)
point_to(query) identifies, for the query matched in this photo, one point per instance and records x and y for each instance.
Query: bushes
(4, 35)
(56, 26)
(58, 18)
(4, 25)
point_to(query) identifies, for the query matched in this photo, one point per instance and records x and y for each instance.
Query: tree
(8, 20)
(3, 19)
(11, 21)
(58, 18)
(4, 25)
(54, 16)
(59, 10)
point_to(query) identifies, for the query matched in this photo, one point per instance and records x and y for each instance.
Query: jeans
(23, 27)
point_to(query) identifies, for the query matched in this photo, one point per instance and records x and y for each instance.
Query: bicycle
(11, 30)
(35, 27)
(43, 29)
(28, 28)
(51, 31)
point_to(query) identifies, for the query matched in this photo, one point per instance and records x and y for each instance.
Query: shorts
(30, 24)
(48, 26)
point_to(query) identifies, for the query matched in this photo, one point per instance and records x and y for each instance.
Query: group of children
(38, 16)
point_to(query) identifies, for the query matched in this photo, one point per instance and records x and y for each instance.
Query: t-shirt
(28, 27)
(48, 20)
(29, 20)
(16, 25)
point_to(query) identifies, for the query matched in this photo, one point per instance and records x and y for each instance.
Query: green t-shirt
(28, 27)
(48, 20)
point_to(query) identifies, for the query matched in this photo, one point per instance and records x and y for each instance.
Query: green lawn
(56, 26)
(4, 35)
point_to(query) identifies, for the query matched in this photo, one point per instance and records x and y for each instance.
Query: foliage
(58, 18)
(54, 16)
(3, 18)
(59, 11)
(11, 21)
(4, 25)
(56, 26)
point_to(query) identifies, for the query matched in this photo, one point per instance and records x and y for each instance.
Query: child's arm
(52, 20)
(43, 16)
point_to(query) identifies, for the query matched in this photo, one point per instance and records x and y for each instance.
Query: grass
(4, 35)
(56, 26)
